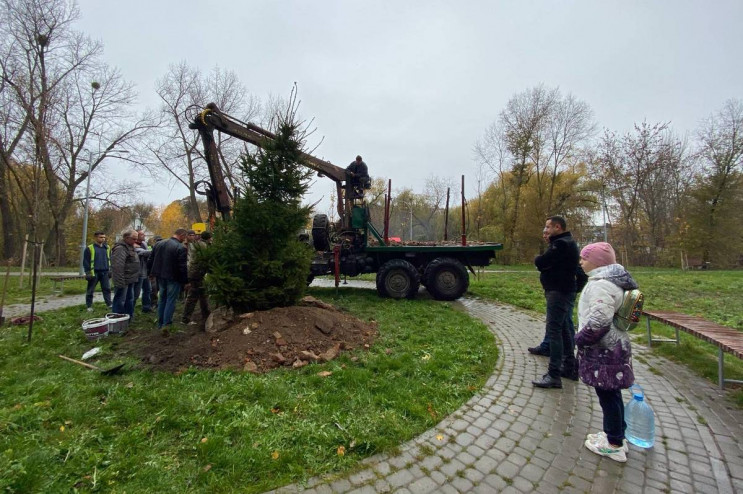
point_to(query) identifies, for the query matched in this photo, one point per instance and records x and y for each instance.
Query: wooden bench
(58, 282)
(725, 339)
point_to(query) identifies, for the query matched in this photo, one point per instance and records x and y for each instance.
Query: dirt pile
(257, 341)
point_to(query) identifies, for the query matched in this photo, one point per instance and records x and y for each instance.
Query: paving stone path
(512, 437)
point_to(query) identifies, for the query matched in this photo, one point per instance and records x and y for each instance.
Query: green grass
(44, 289)
(63, 427)
(713, 295)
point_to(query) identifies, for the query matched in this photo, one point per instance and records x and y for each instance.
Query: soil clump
(256, 341)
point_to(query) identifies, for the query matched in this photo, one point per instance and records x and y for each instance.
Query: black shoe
(571, 374)
(539, 350)
(548, 381)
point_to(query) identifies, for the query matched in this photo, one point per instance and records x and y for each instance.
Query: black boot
(548, 381)
(569, 372)
(539, 350)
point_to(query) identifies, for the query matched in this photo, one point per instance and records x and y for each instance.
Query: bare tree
(69, 97)
(183, 92)
(718, 197)
(538, 137)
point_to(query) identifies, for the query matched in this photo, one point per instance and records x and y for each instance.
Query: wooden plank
(729, 339)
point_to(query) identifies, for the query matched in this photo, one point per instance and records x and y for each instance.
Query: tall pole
(411, 222)
(603, 210)
(85, 214)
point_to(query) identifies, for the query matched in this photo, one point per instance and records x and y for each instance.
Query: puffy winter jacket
(604, 351)
(124, 264)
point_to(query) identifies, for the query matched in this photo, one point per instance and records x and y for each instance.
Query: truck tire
(321, 232)
(446, 278)
(398, 279)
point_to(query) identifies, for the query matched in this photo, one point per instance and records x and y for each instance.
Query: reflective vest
(91, 248)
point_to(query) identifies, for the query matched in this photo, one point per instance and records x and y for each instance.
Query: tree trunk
(10, 230)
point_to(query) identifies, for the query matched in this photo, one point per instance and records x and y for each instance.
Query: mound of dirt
(257, 341)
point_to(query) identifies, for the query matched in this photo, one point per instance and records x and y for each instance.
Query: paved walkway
(512, 437)
(50, 302)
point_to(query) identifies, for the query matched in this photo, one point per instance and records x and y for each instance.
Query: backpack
(628, 316)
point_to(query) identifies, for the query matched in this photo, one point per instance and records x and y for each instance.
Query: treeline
(660, 199)
(66, 116)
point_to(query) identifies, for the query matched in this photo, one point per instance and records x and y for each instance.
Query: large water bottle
(640, 419)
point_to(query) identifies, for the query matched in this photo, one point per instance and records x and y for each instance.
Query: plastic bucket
(117, 323)
(95, 328)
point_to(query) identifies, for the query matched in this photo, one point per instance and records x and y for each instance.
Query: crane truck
(351, 246)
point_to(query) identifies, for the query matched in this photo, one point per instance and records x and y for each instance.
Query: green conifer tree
(256, 261)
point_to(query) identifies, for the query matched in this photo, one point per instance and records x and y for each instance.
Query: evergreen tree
(256, 261)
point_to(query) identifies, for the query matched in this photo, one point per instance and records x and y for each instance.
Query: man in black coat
(557, 273)
(168, 263)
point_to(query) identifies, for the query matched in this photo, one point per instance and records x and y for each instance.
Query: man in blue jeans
(97, 263)
(168, 263)
(557, 273)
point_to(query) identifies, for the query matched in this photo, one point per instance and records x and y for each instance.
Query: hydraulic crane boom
(211, 119)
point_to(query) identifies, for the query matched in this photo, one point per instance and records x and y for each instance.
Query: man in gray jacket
(125, 267)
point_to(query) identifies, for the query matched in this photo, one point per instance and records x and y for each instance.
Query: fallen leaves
(341, 451)
(324, 373)
(275, 455)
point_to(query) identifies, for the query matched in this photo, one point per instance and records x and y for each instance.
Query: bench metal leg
(650, 337)
(721, 368)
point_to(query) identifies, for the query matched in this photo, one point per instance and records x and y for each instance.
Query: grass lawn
(44, 288)
(714, 295)
(65, 428)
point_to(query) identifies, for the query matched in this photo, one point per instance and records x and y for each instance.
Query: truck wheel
(398, 279)
(321, 232)
(446, 278)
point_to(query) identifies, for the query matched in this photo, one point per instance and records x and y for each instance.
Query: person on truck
(96, 264)
(359, 173)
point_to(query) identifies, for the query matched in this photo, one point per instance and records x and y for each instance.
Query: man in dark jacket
(557, 273)
(543, 348)
(168, 263)
(125, 267)
(96, 263)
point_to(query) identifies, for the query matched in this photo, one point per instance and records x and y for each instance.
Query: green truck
(351, 246)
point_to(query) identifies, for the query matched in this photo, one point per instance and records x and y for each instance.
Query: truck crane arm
(211, 119)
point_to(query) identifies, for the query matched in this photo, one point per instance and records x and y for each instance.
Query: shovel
(105, 372)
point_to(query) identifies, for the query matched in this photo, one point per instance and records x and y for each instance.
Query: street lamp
(87, 205)
(410, 207)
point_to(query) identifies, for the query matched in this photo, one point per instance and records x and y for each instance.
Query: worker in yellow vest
(97, 266)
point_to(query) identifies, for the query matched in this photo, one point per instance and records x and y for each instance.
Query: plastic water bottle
(640, 419)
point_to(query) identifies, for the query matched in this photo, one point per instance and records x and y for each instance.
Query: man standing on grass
(143, 285)
(168, 263)
(557, 273)
(96, 264)
(125, 266)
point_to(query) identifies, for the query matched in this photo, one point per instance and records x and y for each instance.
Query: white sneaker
(603, 448)
(602, 435)
(90, 309)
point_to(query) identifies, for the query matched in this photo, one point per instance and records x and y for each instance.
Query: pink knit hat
(599, 254)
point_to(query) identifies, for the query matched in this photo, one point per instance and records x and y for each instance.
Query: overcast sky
(412, 85)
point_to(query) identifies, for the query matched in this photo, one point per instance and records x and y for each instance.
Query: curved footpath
(512, 437)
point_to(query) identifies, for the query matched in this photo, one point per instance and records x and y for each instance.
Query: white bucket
(95, 328)
(117, 323)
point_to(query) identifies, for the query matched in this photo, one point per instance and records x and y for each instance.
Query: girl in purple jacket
(604, 352)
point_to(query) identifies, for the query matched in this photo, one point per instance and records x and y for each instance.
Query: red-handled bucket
(95, 328)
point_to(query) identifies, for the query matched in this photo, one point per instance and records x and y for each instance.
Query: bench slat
(729, 339)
